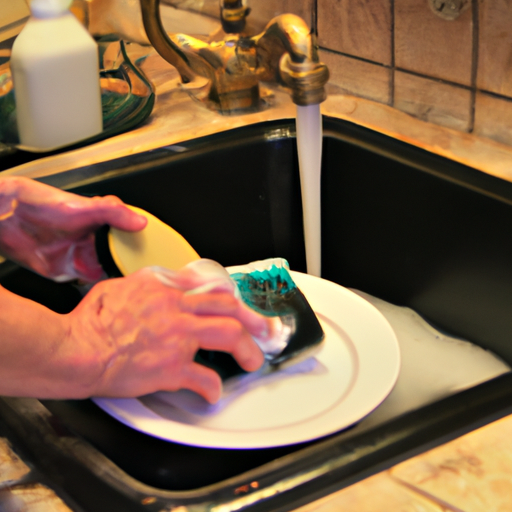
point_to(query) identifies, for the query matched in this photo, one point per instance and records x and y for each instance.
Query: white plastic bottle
(55, 70)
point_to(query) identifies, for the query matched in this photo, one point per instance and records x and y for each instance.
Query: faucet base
(285, 52)
(241, 100)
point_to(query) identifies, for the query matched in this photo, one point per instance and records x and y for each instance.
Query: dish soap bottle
(55, 71)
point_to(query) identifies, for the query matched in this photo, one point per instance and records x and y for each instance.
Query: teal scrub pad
(267, 287)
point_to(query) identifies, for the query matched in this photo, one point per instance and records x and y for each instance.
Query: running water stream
(309, 146)
(433, 364)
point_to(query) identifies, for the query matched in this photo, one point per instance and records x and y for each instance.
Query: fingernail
(244, 352)
(214, 395)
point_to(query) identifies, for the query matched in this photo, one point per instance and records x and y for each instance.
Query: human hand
(137, 335)
(51, 231)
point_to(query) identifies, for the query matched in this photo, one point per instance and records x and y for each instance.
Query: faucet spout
(228, 73)
(299, 66)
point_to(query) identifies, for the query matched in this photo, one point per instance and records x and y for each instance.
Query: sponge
(268, 287)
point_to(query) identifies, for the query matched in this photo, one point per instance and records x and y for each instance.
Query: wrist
(91, 347)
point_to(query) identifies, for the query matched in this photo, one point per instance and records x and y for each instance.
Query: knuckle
(233, 329)
(185, 324)
(229, 300)
(109, 199)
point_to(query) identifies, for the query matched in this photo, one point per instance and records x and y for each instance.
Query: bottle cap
(49, 8)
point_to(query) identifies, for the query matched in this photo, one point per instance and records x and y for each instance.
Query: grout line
(392, 44)
(447, 507)
(355, 57)
(495, 95)
(455, 84)
(314, 17)
(474, 64)
(435, 79)
(420, 75)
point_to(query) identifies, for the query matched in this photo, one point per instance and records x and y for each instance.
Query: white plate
(354, 370)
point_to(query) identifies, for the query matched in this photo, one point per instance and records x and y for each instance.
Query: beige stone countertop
(20, 491)
(470, 474)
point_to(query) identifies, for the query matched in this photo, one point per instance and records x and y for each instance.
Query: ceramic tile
(471, 474)
(358, 77)
(433, 101)
(495, 47)
(375, 494)
(36, 498)
(267, 9)
(12, 11)
(493, 118)
(12, 468)
(430, 45)
(262, 11)
(13, 14)
(207, 7)
(346, 26)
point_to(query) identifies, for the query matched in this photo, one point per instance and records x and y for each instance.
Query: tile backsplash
(454, 73)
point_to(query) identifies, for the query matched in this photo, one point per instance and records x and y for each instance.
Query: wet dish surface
(353, 371)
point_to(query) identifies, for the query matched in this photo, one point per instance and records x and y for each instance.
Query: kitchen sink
(398, 223)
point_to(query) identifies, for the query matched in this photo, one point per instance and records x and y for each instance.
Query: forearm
(36, 358)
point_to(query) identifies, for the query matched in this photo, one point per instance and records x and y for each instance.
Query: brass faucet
(227, 73)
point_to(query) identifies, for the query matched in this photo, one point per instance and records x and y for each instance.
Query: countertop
(177, 118)
(472, 473)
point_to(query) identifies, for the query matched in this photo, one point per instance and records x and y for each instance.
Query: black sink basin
(399, 223)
